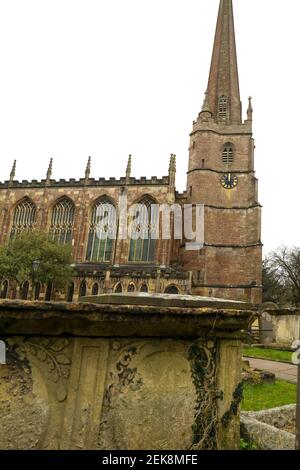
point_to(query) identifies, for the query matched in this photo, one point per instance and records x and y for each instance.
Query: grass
(271, 354)
(265, 396)
(245, 445)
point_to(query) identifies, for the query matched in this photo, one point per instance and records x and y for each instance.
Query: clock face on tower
(229, 181)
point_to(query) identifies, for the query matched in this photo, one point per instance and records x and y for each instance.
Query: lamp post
(35, 267)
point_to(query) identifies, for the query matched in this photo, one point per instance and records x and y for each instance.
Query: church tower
(221, 176)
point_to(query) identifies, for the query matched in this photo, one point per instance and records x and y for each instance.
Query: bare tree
(284, 265)
(274, 289)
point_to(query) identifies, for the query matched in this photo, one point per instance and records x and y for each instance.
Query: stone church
(220, 176)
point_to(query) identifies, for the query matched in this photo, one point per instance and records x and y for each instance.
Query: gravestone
(122, 371)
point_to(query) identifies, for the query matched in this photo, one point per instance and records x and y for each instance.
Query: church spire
(223, 84)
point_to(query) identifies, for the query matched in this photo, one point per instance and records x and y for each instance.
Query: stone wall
(280, 326)
(83, 197)
(267, 429)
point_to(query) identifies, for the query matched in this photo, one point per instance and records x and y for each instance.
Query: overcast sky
(111, 77)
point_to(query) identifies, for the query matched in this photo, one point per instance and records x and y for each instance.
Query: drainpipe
(190, 282)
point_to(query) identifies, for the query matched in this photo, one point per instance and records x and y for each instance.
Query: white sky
(111, 77)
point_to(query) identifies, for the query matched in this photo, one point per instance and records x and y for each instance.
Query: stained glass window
(102, 225)
(62, 221)
(143, 248)
(24, 217)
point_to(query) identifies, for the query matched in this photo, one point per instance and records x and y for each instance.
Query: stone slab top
(280, 311)
(165, 300)
(110, 318)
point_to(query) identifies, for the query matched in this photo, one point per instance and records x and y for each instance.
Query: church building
(220, 176)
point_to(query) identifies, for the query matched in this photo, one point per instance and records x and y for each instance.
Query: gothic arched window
(227, 155)
(37, 291)
(171, 290)
(131, 288)
(24, 290)
(100, 244)
(24, 217)
(82, 289)
(70, 292)
(142, 248)
(62, 221)
(144, 288)
(48, 293)
(95, 289)
(118, 288)
(223, 108)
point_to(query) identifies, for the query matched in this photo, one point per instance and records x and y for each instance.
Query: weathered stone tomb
(122, 372)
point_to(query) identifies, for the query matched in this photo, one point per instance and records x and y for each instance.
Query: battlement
(91, 182)
(134, 271)
(206, 123)
(181, 196)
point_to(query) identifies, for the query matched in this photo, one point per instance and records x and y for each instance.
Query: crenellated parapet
(206, 123)
(82, 182)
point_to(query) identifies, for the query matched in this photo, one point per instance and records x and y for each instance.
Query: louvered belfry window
(228, 154)
(24, 217)
(62, 221)
(223, 108)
